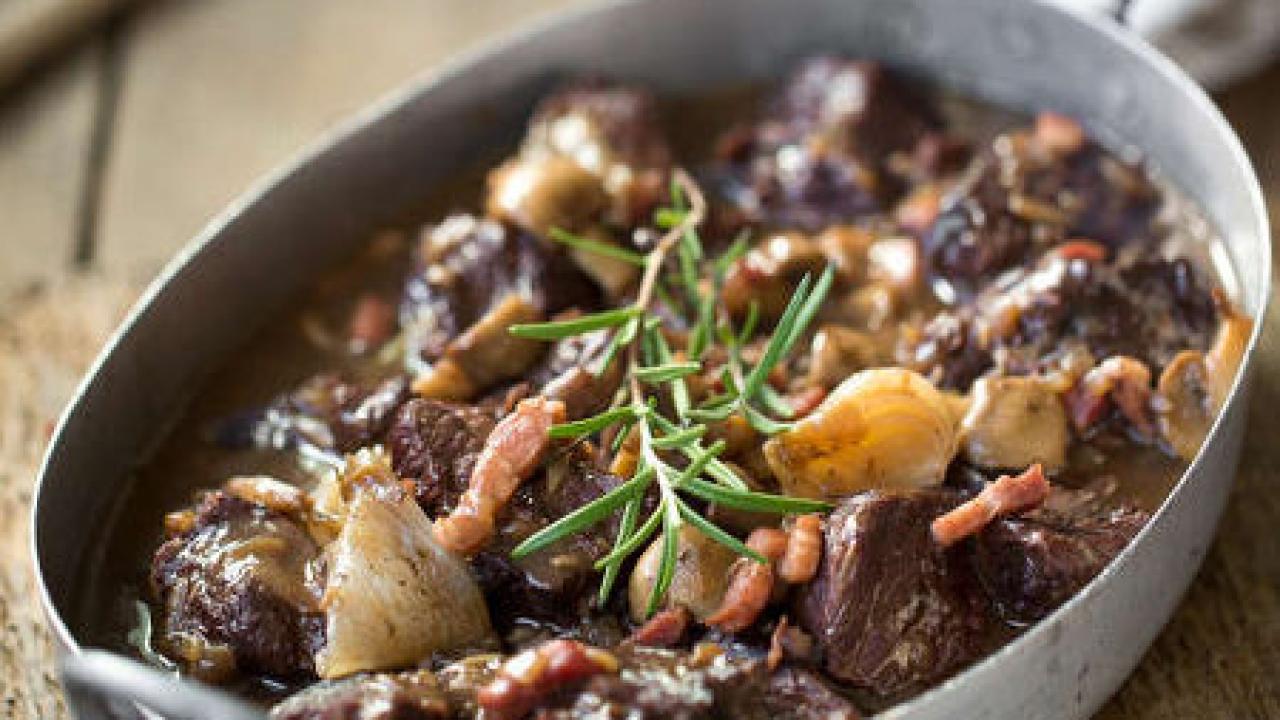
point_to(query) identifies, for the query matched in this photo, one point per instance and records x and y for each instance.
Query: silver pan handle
(106, 686)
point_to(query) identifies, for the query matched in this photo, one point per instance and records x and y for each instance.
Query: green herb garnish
(654, 370)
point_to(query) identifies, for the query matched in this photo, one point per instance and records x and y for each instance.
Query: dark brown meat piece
(466, 265)
(950, 351)
(859, 105)
(1031, 565)
(554, 586)
(567, 373)
(326, 412)
(801, 694)
(822, 156)
(891, 612)
(238, 579)
(435, 445)
(1149, 309)
(625, 117)
(657, 684)
(613, 131)
(402, 696)
(1021, 199)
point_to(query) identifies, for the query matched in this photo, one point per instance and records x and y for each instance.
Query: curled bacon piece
(1080, 249)
(750, 582)
(793, 555)
(524, 680)
(1009, 495)
(663, 629)
(804, 548)
(511, 453)
(1126, 382)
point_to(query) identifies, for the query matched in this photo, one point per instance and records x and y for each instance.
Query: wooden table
(115, 156)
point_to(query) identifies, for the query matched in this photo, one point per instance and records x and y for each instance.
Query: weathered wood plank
(217, 93)
(45, 131)
(48, 337)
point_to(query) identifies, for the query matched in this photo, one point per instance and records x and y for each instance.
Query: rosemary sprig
(654, 370)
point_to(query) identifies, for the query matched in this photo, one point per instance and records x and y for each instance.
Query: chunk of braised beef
(975, 236)
(858, 104)
(326, 412)
(237, 581)
(1149, 309)
(624, 121)
(569, 373)
(823, 155)
(658, 684)
(949, 351)
(1032, 564)
(893, 613)
(466, 265)
(1021, 198)
(435, 445)
(802, 694)
(401, 696)
(554, 586)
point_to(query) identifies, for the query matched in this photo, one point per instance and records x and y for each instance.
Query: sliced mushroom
(769, 274)
(1194, 386)
(1184, 408)
(483, 355)
(881, 428)
(1014, 422)
(837, 353)
(1223, 359)
(701, 576)
(546, 192)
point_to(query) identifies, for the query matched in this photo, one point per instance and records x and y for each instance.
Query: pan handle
(103, 686)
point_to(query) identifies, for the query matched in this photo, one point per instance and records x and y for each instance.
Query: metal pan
(1025, 55)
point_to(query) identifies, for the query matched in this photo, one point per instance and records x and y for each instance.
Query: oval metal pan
(250, 260)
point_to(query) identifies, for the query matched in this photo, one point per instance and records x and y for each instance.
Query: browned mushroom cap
(484, 355)
(770, 272)
(1223, 359)
(1194, 386)
(1184, 409)
(546, 192)
(1015, 422)
(839, 352)
(701, 575)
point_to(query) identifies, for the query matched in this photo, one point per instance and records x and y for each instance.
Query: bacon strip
(1009, 495)
(804, 548)
(510, 455)
(1126, 382)
(524, 680)
(750, 583)
(664, 629)
(1087, 250)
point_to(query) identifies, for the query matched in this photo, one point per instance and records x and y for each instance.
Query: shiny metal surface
(1018, 53)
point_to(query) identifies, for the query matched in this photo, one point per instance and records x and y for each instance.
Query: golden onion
(700, 581)
(880, 428)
